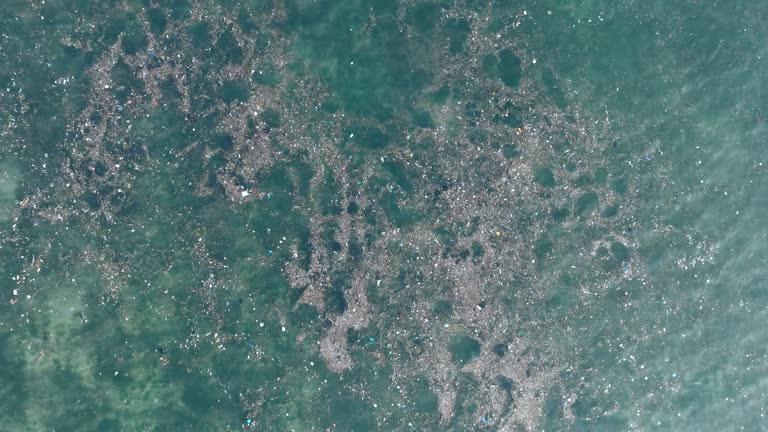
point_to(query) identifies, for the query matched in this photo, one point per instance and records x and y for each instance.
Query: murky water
(382, 215)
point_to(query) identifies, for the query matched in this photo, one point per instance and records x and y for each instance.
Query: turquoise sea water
(382, 215)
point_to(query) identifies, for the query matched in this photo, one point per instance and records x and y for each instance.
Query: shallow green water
(382, 215)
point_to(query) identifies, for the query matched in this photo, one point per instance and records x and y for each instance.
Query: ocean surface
(314, 215)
